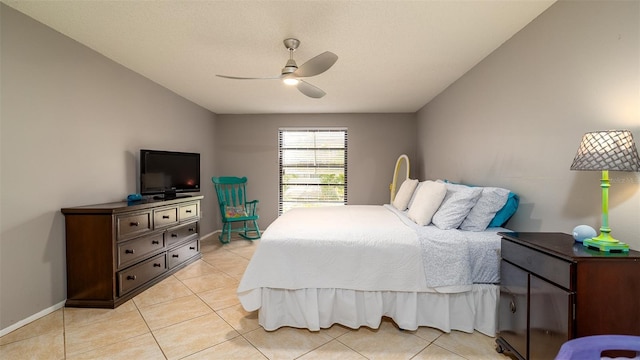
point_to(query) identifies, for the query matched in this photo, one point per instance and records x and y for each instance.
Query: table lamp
(604, 151)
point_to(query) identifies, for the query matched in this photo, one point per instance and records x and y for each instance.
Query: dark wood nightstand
(553, 289)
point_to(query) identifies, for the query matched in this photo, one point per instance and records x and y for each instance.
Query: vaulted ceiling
(394, 56)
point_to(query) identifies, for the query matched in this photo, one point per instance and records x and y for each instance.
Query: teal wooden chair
(235, 209)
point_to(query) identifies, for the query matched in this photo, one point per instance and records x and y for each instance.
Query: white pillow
(428, 198)
(403, 195)
(456, 206)
(414, 193)
(491, 200)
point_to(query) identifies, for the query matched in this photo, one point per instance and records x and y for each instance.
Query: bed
(354, 264)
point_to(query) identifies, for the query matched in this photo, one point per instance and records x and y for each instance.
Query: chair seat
(240, 218)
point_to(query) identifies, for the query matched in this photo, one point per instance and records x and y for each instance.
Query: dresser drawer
(546, 266)
(178, 234)
(188, 211)
(182, 253)
(165, 217)
(131, 225)
(139, 274)
(132, 250)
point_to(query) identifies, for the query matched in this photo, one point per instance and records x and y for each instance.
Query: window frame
(282, 167)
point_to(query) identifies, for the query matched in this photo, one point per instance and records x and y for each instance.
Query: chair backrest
(231, 191)
(591, 347)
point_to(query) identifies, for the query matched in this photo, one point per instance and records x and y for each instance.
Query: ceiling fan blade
(310, 90)
(249, 78)
(317, 65)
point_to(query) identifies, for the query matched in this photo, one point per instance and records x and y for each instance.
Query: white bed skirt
(314, 309)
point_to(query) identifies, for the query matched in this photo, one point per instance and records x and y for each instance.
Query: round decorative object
(583, 232)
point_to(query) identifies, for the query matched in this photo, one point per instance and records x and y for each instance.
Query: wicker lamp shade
(607, 150)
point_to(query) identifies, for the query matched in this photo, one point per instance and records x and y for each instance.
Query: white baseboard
(32, 318)
(205, 236)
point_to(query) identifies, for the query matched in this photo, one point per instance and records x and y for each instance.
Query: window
(313, 168)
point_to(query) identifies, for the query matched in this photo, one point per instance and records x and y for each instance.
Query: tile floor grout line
(421, 350)
(349, 347)
(103, 346)
(179, 322)
(314, 349)
(226, 322)
(255, 347)
(64, 334)
(148, 327)
(162, 302)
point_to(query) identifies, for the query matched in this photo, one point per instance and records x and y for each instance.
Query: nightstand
(553, 289)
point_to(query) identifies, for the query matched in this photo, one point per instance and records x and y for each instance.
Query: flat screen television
(168, 173)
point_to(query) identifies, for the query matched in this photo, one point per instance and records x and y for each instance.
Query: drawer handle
(176, 255)
(131, 277)
(192, 247)
(130, 251)
(192, 229)
(157, 265)
(134, 223)
(155, 242)
(174, 235)
(165, 216)
(512, 306)
(188, 211)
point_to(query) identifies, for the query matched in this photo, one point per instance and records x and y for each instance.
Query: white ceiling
(394, 56)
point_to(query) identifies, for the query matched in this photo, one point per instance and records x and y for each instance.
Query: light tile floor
(195, 314)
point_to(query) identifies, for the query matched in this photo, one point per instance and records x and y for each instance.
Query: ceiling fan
(292, 74)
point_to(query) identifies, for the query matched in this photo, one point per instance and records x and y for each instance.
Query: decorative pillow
(428, 198)
(507, 211)
(456, 206)
(404, 194)
(235, 211)
(415, 192)
(491, 200)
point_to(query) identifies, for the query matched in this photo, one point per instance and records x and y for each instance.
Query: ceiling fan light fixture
(290, 81)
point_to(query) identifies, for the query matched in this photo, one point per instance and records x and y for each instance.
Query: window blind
(313, 168)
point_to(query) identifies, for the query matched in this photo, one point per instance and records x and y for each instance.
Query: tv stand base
(165, 197)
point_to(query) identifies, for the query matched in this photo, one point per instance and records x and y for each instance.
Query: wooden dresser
(117, 250)
(553, 289)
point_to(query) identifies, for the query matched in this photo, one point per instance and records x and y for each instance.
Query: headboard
(403, 161)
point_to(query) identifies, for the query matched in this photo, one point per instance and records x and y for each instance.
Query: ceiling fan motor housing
(290, 67)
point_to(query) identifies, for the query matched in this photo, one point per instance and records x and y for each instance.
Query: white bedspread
(359, 247)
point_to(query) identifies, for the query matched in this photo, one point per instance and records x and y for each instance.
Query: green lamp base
(606, 245)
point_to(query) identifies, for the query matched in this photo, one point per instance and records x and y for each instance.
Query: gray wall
(72, 123)
(247, 145)
(516, 119)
